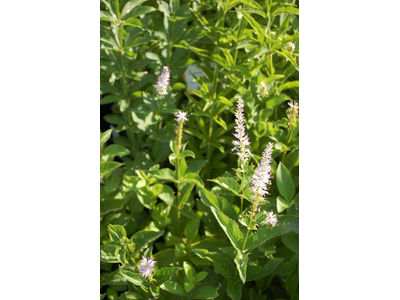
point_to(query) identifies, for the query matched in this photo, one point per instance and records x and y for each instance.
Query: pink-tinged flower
(163, 82)
(181, 115)
(262, 177)
(242, 143)
(147, 266)
(271, 219)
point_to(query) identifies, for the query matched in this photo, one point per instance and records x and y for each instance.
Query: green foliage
(185, 200)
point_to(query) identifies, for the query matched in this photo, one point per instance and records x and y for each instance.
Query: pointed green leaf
(228, 184)
(116, 232)
(205, 292)
(230, 227)
(105, 136)
(131, 274)
(193, 178)
(263, 234)
(173, 288)
(145, 237)
(289, 222)
(221, 264)
(257, 272)
(164, 274)
(164, 174)
(221, 203)
(285, 182)
(241, 264)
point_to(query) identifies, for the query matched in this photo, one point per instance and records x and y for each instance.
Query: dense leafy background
(193, 225)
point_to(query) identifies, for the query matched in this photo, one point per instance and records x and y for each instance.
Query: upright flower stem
(180, 117)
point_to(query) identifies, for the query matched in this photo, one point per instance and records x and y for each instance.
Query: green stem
(241, 197)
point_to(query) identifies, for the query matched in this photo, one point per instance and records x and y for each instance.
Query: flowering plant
(199, 195)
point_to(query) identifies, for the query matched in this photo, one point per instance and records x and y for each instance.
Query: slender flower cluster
(262, 176)
(147, 266)
(271, 219)
(241, 145)
(180, 117)
(163, 82)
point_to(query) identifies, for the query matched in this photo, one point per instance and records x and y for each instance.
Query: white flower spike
(262, 176)
(242, 143)
(147, 266)
(163, 82)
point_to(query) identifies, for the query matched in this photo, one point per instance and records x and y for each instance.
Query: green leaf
(286, 10)
(116, 232)
(221, 203)
(263, 234)
(191, 228)
(186, 153)
(190, 273)
(167, 195)
(231, 229)
(235, 291)
(291, 240)
(289, 56)
(145, 237)
(200, 276)
(285, 182)
(107, 253)
(110, 99)
(164, 174)
(257, 272)
(221, 264)
(107, 167)
(116, 149)
(292, 283)
(164, 258)
(205, 292)
(282, 204)
(288, 85)
(173, 287)
(130, 5)
(130, 274)
(289, 222)
(251, 3)
(141, 10)
(253, 23)
(128, 295)
(164, 274)
(274, 101)
(241, 264)
(220, 121)
(292, 159)
(193, 178)
(287, 267)
(105, 136)
(228, 184)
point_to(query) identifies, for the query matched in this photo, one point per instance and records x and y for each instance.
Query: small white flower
(241, 145)
(163, 82)
(263, 89)
(181, 115)
(147, 266)
(271, 219)
(290, 47)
